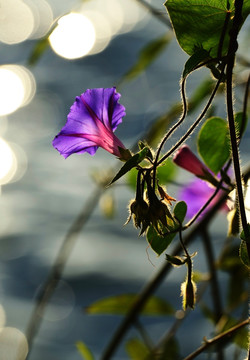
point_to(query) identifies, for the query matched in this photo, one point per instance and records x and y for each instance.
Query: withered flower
(138, 208)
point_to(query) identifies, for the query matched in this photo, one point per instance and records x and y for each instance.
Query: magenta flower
(186, 159)
(91, 123)
(196, 193)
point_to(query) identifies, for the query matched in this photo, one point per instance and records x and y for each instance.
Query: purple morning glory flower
(196, 193)
(91, 123)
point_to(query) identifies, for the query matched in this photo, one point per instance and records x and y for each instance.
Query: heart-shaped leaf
(159, 243)
(199, 23)
(214, 143)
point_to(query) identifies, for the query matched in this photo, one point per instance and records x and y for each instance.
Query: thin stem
(144, 335)
(230, 111)
(182, 242)
(223, 33)
(244, 110)
(155, 12)
(208, 202)
(226, 334)
(196, 123)
(172, 130)
(212, 269)
(213, 280)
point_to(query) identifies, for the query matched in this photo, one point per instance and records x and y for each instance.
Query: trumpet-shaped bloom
(186, 159)
(197, 192)
(91, 123)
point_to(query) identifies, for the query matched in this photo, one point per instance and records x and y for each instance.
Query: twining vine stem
(196, 123)
(230, 111)
(172, 130)
(217, 339)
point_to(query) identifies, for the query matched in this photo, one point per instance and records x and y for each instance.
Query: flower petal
(195, 194)
(67, 145)
(185, 158)
(79, 120)
(104, 104)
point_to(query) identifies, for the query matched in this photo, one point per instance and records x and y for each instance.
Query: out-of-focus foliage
(84, 351)
(120, 305)
(147, 55)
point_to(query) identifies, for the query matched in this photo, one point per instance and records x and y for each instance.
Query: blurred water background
(41, 193)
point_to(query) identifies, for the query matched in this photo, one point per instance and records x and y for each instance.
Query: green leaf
(244, 254)
(199, 23)
(199, 56)
(131, 178)
(180, 211)
(241, 338)
(240, 123)
(120, 305)
(214, 144)
(175, 260)
(147, 55)
(242, 234)
(141, 145)
(136, 349)
(131, 163)
(160, 243)
(84, 351)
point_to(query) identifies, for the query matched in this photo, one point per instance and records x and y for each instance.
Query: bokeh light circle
(73, 37)
(17, 88)
(2, 317)
(14, 345)
(103, 31)
(16, 21)
(112, 12)
(8, 163)
(43, 16)
(61, 303)
(9, 100)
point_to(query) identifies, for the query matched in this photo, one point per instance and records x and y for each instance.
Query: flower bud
(186, 159)
(138, 210)
(158, 211)
(188, 293)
